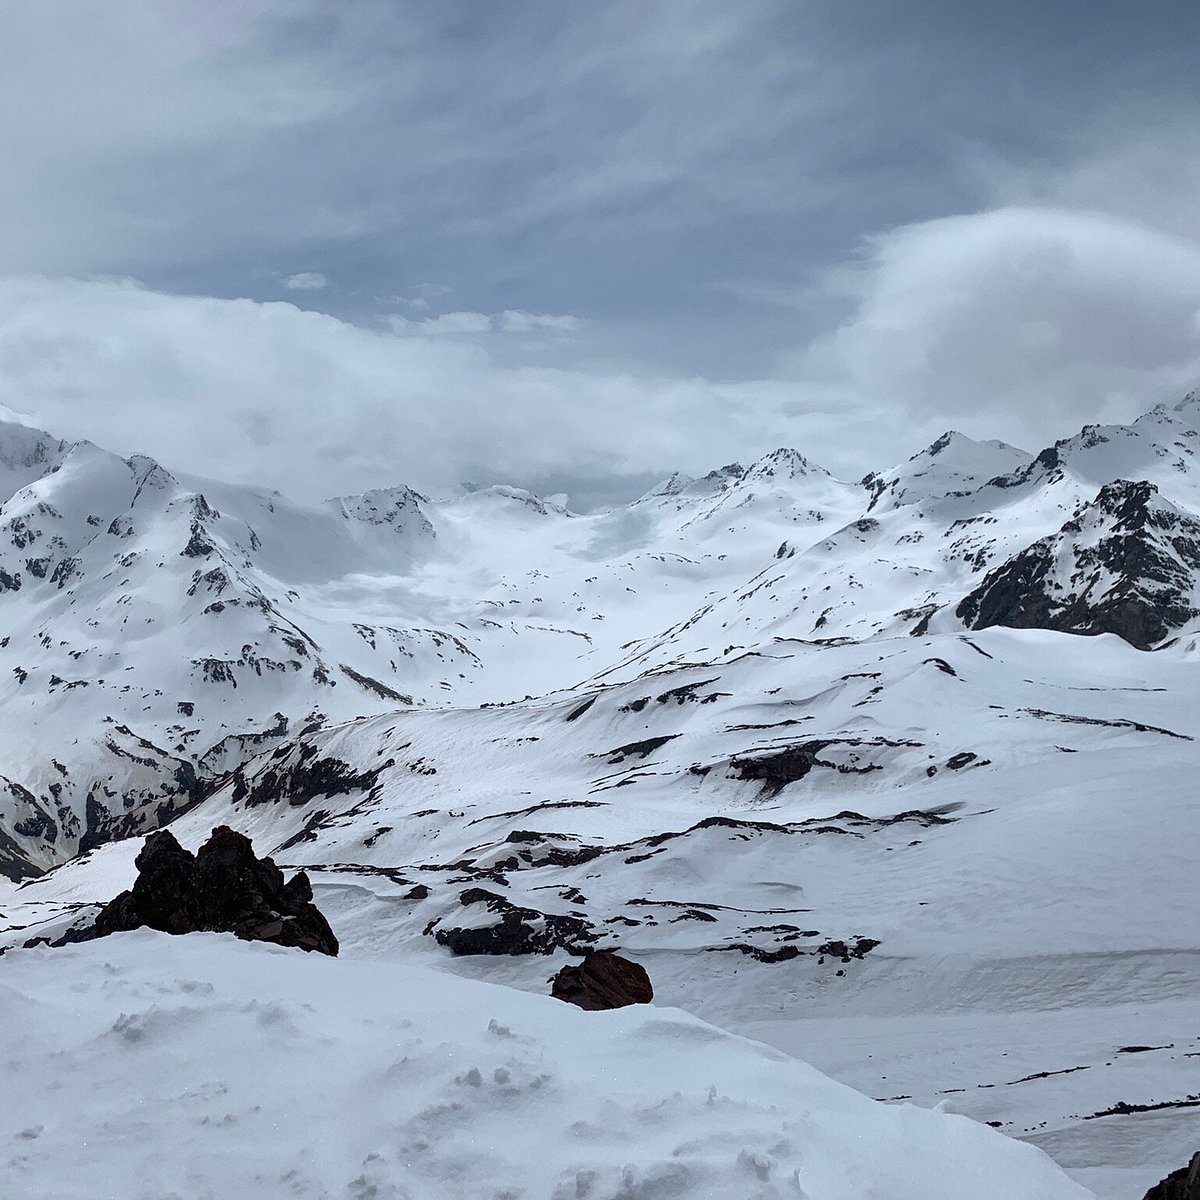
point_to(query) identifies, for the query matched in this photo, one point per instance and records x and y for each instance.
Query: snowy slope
(950, 868)
(213, 1068)
(159, 630)
(154, 633)
(174, 626)
(829, 758)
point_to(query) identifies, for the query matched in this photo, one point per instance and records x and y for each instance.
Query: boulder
(603, 980)
(222, 888)
(1183, 1184)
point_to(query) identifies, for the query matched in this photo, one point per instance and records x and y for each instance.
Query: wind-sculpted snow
(220, 1069)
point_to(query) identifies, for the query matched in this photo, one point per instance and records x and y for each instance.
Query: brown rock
(223, 888)
(1183, 1184)
(603, 980)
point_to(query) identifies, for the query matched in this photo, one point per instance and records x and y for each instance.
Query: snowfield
(146, 1066)
(894, 777)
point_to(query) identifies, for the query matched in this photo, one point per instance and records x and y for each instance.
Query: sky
(331, 246)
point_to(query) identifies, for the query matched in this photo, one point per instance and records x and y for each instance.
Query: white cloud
(143, 137)
(450, 323)
(306, 281)
(1015, 323)
(1018, 323)
(509, 321)
(138, 132)
(272, 394)
(518, 321)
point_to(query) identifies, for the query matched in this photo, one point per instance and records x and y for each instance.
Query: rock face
(1124, 564)
(520, 930)
(603, 980)
(1183, 1184)
(223, 888)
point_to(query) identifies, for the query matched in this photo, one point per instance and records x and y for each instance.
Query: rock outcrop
(519, 930)
(1126, 563)
(603, 980)
(222, 888)
(1183, 1184)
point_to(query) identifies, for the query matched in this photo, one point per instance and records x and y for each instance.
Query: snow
(1044, 924)
(151, 1066)
(1007, 813)
(130, 591)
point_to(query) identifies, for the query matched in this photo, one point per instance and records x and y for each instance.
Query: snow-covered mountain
(160, 630)
(830, 758)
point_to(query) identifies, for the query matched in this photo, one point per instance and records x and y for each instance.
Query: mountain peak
(671, 486)
(542, 505)
(784, 463)
(953, 465)
(397, 507)
(935, 448)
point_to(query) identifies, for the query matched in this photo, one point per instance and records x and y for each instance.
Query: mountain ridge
(830, 759)
(170, 620)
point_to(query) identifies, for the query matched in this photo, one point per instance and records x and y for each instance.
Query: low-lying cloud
(273, 394)
(1017, 323)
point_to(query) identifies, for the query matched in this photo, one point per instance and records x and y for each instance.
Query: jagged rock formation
(603, 980)
(1127, 563)
(1183, 1184)
(222, 888)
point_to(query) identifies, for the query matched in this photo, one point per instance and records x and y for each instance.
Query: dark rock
(845, 951)
(642, 749)
(1183, 1184)
(223, 888)
(199, 544)
(573, 715)
(775, 770)
(519, 836)
(1131, 575)
(374, 686)
(603, 980)
(519, 930)
(687, 693)
(759, 954)
(300, 776)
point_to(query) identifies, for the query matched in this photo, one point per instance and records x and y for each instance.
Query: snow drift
(151, 1066)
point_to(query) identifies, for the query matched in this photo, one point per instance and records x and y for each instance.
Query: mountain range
(893, 774)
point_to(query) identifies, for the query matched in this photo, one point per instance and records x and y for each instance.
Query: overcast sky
(331, 246)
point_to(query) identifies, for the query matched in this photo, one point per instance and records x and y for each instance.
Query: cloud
(1014, 323)
(138, 133)
(306, 281)
(451, 323)
(519, 321)
(150, 138)
(273, 394)
(458, 323)
(1017, 323)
